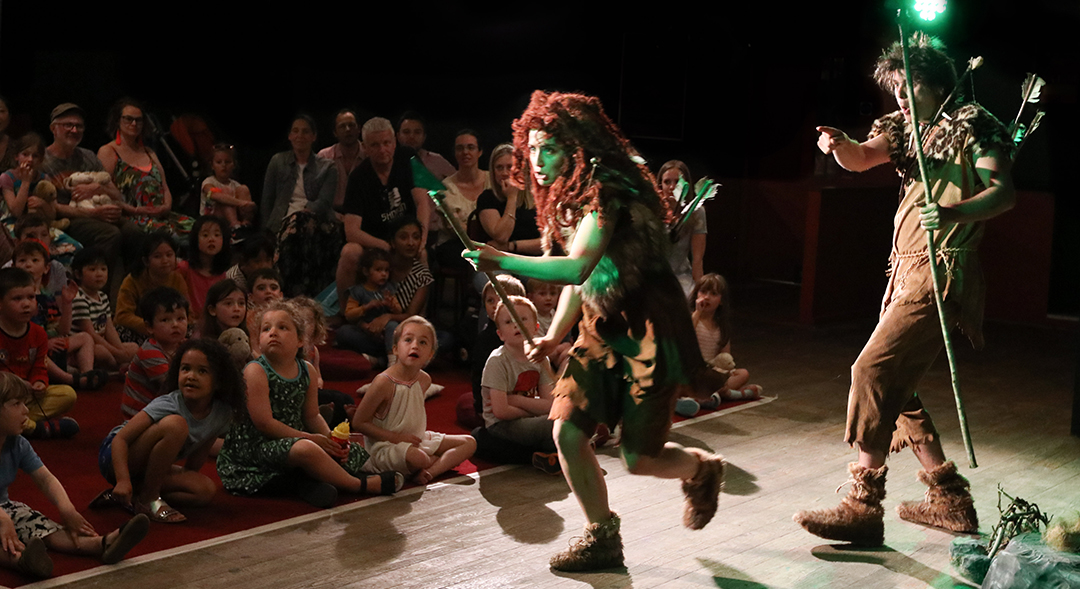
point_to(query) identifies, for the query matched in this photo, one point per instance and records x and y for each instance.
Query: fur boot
(599, 548)
(703, 491)
(947, 505)
(859, 519)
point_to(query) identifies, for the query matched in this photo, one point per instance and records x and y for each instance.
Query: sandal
(130, 534)
(107, 499)
(92, 380)
(390, 482)
(160, 511)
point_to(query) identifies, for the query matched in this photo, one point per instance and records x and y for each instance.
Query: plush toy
(47, 192)
(89, 178)
(236, 341)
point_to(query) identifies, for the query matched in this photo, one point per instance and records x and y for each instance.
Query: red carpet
(74, 463)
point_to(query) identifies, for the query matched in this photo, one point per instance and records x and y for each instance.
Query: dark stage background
(733, 89)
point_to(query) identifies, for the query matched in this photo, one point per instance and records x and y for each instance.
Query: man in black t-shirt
(379, 193)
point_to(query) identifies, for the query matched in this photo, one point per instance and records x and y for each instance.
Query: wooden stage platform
(500, 528)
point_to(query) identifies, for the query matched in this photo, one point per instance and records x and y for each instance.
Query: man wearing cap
(101, 226)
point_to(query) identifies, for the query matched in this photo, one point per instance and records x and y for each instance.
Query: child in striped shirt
(165, 312)
(91, 312)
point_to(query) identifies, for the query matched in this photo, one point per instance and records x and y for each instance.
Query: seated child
(711, 315)
(36, 226)
(265, 288)
(280, 443)
(208, 257)
(91, 313)
(25, 347)
(155, 267)
(335, 406)
(54, 314)
(368, 300)
(486, 343)
(27, 533)
(224, 197)
(165, 312)
(226, 307)
(545, 296)
(392, 417)
(517, 392)
(256, 253)
(138, 457)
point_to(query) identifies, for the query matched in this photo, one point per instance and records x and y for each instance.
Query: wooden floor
(498, 530)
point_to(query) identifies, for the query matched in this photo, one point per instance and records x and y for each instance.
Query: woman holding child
(599, 204)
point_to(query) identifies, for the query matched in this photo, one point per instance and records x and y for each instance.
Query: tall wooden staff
(931, 247)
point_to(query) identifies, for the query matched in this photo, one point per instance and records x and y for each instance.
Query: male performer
(968, 156)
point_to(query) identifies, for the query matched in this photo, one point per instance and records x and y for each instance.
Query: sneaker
(712, 402)
(55, 429)
(545, 462)
(602, 436)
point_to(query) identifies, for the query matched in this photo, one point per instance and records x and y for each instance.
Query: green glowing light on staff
(929, 9)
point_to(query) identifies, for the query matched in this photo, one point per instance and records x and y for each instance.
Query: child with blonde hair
(392, 417)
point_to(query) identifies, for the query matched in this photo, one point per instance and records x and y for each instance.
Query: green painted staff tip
(422, 177)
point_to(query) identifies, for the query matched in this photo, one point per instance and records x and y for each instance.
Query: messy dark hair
(930, 65)
(229, 386)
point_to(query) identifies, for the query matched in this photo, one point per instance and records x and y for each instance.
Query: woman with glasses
(137, 171)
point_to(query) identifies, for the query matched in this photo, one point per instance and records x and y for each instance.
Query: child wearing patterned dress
(392, 417)
(208, 257)
(281, 443)
(26, 534)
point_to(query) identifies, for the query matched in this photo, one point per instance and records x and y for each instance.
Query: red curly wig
(580, 128)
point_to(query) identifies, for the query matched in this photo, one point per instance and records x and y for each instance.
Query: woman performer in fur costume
(599, 206)
(968, 155)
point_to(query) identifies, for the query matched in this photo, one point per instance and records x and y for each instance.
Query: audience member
(297, 205)
(102, 226)
(346, 154)
(164, 312)
(379, 194)
(391, 414)
(7, 144)
(26, 347)
(688, 247)
(209, 255)
(92, 314)
(368, 300)
(136, 169)
(156, 267)
(138, 457)
(281, 444)
(28, 533)
(257, 252)
(507, 214)
(412, 133)
(224, 197)
(486, 343)
(462, 189)
(54, 314)
(225, 308)
(517, 392)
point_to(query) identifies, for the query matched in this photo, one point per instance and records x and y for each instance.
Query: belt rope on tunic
(931, 247)
(945, 255)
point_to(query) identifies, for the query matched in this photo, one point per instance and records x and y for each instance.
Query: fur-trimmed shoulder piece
(965, 127)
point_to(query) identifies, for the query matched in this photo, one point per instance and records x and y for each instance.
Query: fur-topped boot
(859, 519)
(947, 504)
(599, 548)
(703, 491)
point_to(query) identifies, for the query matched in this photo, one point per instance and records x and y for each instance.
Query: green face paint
(547, 159)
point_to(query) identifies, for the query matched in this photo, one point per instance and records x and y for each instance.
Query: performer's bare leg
(930, 454)
(582, 471)
(673, 462)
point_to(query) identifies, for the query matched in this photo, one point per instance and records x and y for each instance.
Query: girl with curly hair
(599, 207)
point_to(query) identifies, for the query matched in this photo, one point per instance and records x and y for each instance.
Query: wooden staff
(931, 248)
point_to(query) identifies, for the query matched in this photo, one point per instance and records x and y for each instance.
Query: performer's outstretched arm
(590, 241)
(850, 154)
